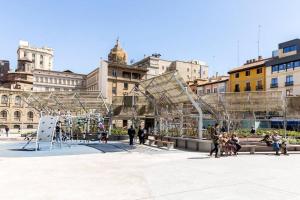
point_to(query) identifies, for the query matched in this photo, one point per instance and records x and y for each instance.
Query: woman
(235, 140)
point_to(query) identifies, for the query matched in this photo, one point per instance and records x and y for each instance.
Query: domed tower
(117, 54)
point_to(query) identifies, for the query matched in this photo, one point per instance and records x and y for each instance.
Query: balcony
(290, 83)
(259, 88)
(274, 85)
(247, 89)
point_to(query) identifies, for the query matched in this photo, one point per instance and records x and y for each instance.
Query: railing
(259, 88)
(247, 89)
(17, 119)
(290, 83)
(274, 85)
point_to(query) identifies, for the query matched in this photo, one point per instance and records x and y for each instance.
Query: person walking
(141, 135)
(6, 131)
(131, 133)
(215, 140)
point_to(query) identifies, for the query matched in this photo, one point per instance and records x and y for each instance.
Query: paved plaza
(117, 171)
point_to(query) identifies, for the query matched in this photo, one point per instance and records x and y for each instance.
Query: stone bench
(160, 143)
(251, 148)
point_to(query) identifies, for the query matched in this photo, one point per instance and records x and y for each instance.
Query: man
(131, 133)
(252, 130)
(141, 135)
(6, 130)
(215, 140)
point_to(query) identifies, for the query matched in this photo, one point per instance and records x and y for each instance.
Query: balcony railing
(259, 88)
(274, 85)
(247, 89)
(290, 83)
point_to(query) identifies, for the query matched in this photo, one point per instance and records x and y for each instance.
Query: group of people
(141, 135)
(277, 142)
(224, 143)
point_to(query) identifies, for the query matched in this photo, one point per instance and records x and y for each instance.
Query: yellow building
(249, 77)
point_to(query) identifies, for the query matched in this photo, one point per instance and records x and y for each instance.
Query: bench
(160, 143)
(251, 147)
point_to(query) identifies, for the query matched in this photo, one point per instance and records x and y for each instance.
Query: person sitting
(276, 143)
(252, 130)
(267, 139)
(235, 140)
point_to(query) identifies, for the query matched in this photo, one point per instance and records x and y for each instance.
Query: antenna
(258, 38)
(238, 53)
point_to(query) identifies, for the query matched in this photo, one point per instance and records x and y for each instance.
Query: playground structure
(79, 112)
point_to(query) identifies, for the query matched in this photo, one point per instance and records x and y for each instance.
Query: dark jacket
(131, 132)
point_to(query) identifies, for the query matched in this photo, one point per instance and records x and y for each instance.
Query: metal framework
(175, 105)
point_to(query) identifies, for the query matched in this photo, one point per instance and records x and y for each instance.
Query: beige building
(217, 84)
(14, 112)
(41, 58)
(188, 70)
(114, 77)
(45, 80)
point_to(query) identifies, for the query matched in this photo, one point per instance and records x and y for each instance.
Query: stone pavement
(82, 172)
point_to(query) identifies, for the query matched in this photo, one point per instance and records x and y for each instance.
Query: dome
(117, 54)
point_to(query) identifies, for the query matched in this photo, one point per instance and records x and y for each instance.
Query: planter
(118, 137)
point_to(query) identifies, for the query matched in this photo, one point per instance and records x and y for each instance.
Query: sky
(223, 33)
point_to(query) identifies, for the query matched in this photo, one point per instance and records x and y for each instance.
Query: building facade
(4, 69)
(114, 77)
(15, 113)
(249, 77)
(283, 70)
(188, 70)
(217, 84)
(45, 80)
(41, 58)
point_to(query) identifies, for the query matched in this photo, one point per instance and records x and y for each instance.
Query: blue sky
(81, 32)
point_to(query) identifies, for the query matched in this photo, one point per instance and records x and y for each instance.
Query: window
(297, 64)
(16, 126)
(114, 90)
(289, 80)
(163, 67)
(237, 75)
(125, 86)
(282, 67)
(18, 101)
(274, 82)
(248, 73)
(236, 88)
(33, 58)
(259, 70)
(275, 68)
(114, 73)
(30, 115)
(3, 114)
(126, 75)
(17, 115)
(4, 99)
(25, 53)
(30, 126)
(289, 92)
(194, 71)
(289, 49)
(208, 91)
(187, 69)
(290, 65)
(215, 90)
(259, 85)
(248, 86)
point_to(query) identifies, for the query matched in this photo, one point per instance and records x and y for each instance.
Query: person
(223, 130)
(103, 137)
(141, 135)
(57, 132)
(252, 130)
(131, 133)
(6, 130)
(236, 142)
(276, 143)
(267, 139)
(215, 139)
